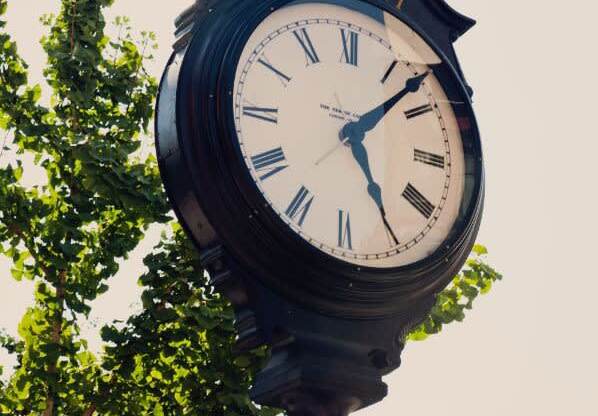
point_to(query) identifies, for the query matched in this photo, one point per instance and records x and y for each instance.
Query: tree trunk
(90, 410)
(55, 338)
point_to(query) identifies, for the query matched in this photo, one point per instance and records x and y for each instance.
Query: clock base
(307, 380)
(320, 365)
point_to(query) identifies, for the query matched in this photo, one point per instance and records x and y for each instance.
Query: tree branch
(90, 410)
(55, 338)
(73, 11)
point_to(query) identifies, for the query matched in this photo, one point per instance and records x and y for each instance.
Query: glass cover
(348, 133)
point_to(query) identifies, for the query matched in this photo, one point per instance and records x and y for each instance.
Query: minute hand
(371, 119)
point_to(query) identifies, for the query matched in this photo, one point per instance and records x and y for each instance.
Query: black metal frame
(211, 182)
(334, 330)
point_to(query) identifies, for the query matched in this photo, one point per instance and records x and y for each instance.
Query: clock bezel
(253, 232)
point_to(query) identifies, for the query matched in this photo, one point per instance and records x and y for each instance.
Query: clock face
(348, 133)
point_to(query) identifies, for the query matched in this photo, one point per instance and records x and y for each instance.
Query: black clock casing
(210, 181)
(285, 291)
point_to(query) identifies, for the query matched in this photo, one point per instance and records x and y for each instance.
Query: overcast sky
(528, 348)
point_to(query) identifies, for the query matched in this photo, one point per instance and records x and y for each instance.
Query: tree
(101, 195)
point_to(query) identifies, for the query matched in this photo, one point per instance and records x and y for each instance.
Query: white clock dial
(348, 133)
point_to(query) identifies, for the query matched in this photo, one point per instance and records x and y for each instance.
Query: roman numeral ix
(344, 230)
(418, 201)
(300, 205)
(350, 41)
(418, 111)
(269, 163)
(305, 42)
(262, 113)
(431, 159)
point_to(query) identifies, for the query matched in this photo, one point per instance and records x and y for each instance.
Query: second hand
(345, 140)
(331, 151)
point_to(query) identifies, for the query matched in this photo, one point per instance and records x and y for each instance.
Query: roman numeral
(350, 40)
(281, 76)
(418, 111)
(300, 205)
(308, 47)
(344, 230)
(262, 113)
(428, 158)
(269, 163)
(418, 201)
(389, 71)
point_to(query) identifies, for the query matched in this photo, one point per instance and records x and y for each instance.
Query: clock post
(320, 365)
(334, 317)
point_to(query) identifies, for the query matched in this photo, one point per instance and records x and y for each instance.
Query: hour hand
(370, 119)
(414, 84)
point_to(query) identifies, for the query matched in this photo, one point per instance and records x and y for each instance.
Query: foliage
(476, 278)
(99, 198)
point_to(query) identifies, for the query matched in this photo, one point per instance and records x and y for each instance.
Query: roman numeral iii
(300, 205)
(418, 111)
(269, 163)
(350, 41)
(308, 47)
(431, 159)
(344, 230)
(262, 113)
(418, 201)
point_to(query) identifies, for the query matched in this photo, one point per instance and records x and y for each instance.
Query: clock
(330, 146)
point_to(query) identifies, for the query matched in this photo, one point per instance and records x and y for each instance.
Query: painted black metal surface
(335, 329)
(206, 179)
(320, 365)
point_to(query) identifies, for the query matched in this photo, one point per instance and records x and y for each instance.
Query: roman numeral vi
(344, 230)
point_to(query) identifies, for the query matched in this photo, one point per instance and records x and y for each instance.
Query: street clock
(325, 159)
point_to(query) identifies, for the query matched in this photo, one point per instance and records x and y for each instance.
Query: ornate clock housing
(325, 158)
(385, 196)
(329, 145)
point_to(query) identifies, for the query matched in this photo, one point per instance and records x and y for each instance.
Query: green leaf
(158, 410)
(17, 274)
(156, 374)
(480, 250)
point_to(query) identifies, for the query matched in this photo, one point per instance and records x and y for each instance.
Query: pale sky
(529, 347)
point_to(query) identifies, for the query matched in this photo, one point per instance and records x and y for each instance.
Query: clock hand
(371, 119)
(331, 151)
(361, 156)
(343, 140)
(387, 225)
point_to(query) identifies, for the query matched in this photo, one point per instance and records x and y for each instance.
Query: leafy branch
(476, 278)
